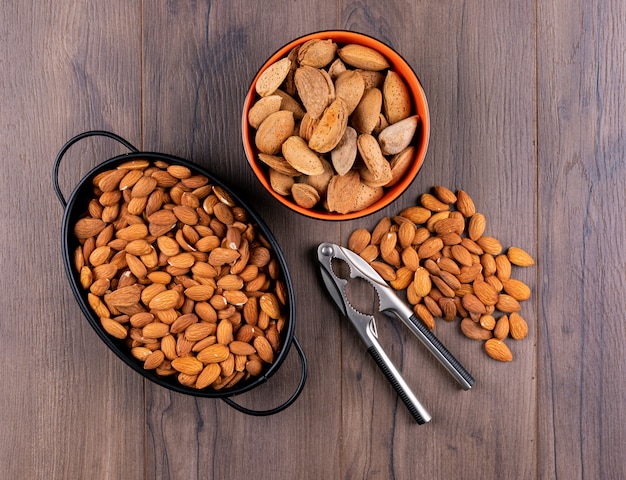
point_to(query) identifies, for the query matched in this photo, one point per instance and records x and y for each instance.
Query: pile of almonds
(437, 253)
(334, 124)
(173, 267)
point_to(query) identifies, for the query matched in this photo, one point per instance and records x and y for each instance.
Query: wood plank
(581, 146)
(69, 407)
(193, 96)
(479, 79)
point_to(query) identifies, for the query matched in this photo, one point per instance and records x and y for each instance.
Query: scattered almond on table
(438, 254)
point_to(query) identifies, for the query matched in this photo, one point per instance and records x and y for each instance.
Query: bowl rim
(400, 65)
(72, 212)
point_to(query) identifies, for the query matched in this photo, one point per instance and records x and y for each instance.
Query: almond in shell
(280, 182)
(344, 154)
(400, 164)
(305, 195)
(396, 98)
(279, 164)
(273, 77)
(373, 158)
(342, 192)
(397, 136)
(263, 108)
(350, 86)
(302, 158)
(361, 56)
(367, 195)
(331, 127)
(366, 115)
(273, 131)
(317, 52)
(313, 89)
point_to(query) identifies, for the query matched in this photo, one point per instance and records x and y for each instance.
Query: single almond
(361, 56)
(518, 328)
(165, 300)
(331, 127)
(359, 239)
(465, 204)
(208, 376)
(396, 98)
(474, 330)
(264, 349)
(273, 131)
(187, 365)
(113, 328)
(215, 353)
(518, 256)
(241, 348)
(516, 289)
(507, 303)
(88, 227)
(498, 350)
(476, 226)
(302, 158)
(272, 77)
(398, 136)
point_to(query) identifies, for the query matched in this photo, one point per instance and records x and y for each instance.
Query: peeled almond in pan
(272, 77)
(397, 136)
(344, 154)
(273, 131)
(301, 157)
(373, 158)
(328, 132)
(396, 98)
(264, 107)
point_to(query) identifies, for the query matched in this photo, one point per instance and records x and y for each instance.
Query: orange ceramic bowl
(420, 140)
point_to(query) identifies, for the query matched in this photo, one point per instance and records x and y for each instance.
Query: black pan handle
(72, 141)
(285, 404)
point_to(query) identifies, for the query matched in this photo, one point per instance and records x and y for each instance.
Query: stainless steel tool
(391, 305)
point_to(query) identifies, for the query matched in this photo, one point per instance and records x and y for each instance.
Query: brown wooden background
(528, 108)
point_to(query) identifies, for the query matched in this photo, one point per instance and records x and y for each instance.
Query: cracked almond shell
(328, 132)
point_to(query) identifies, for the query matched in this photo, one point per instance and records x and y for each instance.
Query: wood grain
(526, 105)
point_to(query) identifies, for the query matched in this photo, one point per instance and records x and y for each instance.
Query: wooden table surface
(527, 110)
